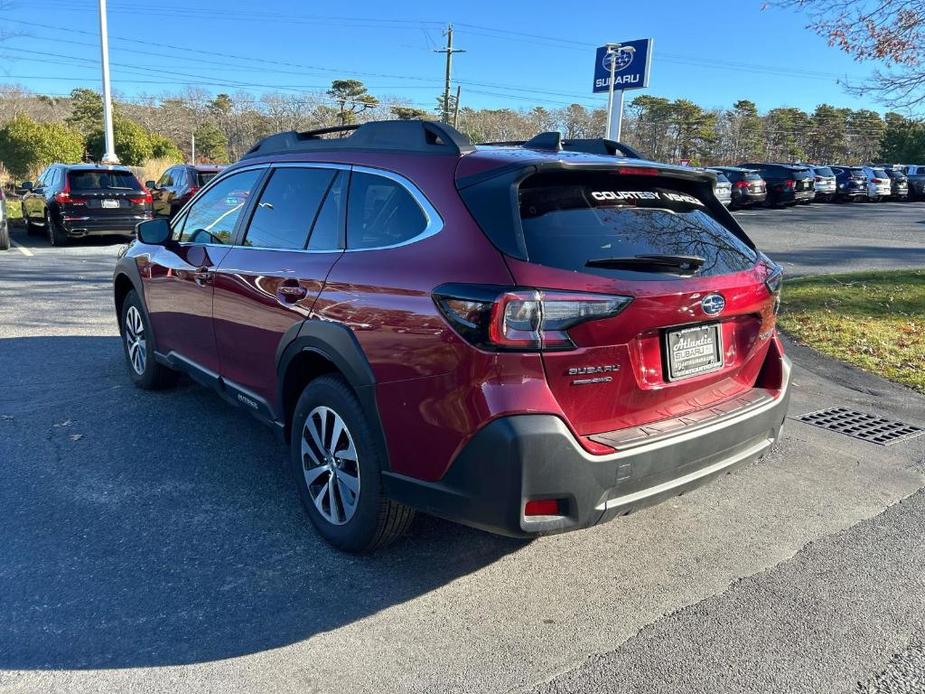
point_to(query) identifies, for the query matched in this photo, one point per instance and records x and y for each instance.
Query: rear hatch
(698, 313)
(803, 180)
(104, 194)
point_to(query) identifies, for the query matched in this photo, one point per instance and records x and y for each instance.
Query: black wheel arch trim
(338, 345)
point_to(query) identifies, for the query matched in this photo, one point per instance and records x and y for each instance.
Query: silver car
(4, 225)
(825, 182)
(723, 187)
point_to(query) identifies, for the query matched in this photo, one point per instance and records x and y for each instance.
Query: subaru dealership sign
(631, 59)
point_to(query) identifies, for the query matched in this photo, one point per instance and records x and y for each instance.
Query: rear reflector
(543, 507)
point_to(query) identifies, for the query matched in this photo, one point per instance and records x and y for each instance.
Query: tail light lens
(774, 281)
(65, 198)
(788, 184)
(740, 184)
(146, 200)
(501, 319)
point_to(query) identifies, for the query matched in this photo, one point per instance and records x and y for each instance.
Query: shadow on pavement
(144, 529)
(832, 258)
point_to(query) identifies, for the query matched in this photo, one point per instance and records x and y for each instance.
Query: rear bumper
(91, 226)
(522, 457)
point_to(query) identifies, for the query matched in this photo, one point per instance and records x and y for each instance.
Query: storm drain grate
(861, 425)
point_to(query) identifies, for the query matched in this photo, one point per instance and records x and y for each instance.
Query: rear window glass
(824, 171)
(570, 219)
(879, 173)
(752, 176)
(102, 180)
(204, 177)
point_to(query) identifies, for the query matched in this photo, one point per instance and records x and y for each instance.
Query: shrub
(27, 146)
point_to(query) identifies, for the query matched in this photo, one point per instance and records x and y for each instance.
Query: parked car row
(779, 184)
(69, 201)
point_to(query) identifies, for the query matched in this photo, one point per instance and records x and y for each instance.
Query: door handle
(291, 292)
(202, 276)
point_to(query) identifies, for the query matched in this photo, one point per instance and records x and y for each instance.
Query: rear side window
(102, 180)
(212, 218)
(381, 212)
(326, 231)
(287, 208)
(203, 177)
(571, 219)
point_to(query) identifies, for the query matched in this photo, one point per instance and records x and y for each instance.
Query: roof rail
(553, 141)
(428, 137)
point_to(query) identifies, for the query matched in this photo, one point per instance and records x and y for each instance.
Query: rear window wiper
(650, 263)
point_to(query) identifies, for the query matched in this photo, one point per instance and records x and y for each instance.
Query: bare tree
(890, 31)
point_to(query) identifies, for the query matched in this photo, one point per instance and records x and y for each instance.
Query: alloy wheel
(330, 465)
(135, 340)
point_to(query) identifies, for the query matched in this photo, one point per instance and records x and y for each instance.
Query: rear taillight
(65, 198)
(788, 184)
(740, 184)
(544, 507)
(145, 200)
(819, 179)
(499, 319)
(774, 281)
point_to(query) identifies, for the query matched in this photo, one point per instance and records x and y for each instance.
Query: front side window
(381, 212)
(166, 179)
(601, 224)
(212, 218)
(287, 207)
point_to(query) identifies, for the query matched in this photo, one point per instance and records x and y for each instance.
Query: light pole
(109, 155)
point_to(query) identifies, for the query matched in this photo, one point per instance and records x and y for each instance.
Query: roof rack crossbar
(419, 136)
(553, 141)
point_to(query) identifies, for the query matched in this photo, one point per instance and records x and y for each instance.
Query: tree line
(36, 129)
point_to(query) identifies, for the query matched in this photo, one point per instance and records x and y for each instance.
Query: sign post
(620, 66)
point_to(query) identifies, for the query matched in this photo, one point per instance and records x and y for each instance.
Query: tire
(4, 237)
(143, 368)
(30, 227)
(328, 406)
(54, 233)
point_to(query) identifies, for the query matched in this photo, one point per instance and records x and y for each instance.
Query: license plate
(693, 351)
(109, 204)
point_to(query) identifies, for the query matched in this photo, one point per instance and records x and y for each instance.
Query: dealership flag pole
(109, 156)
(612, 52)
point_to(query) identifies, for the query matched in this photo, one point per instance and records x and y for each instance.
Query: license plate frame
(109, 204)
(671, 337)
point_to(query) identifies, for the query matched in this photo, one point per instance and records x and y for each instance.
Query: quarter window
(287, 208)
(213, 216)
(381, 212)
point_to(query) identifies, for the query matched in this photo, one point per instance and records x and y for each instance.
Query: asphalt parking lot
(151, 541)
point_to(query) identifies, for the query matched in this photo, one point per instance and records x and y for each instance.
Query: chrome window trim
(433, 226)
(434, 220)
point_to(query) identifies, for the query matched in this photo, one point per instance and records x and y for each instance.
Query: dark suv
(748, 188)
(528, 338)
(75, 200)
(787, 184)
(177, 185)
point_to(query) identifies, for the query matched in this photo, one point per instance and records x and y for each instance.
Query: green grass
(874, 320)
(13, 209)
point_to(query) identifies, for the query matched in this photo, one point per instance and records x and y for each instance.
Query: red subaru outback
(527, 338)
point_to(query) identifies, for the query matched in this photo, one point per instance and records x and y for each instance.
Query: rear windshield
(752, 176)
(102, 180)
(879, 173)
(799, 174)
(570, 219)
(824, 171)
(204, 177)
(721, 177)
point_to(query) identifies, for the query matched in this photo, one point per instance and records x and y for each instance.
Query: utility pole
(449, 50)
(109, 155)
(456, 107)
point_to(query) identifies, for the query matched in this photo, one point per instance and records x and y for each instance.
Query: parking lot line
(22, 249)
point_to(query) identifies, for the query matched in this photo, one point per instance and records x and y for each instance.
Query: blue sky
(518, 54)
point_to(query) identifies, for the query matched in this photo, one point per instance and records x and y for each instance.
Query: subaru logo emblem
(713, 304)
(623, 55)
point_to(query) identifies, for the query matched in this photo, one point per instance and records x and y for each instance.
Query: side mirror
(150, 185)
(155, 232)
(26, 185)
